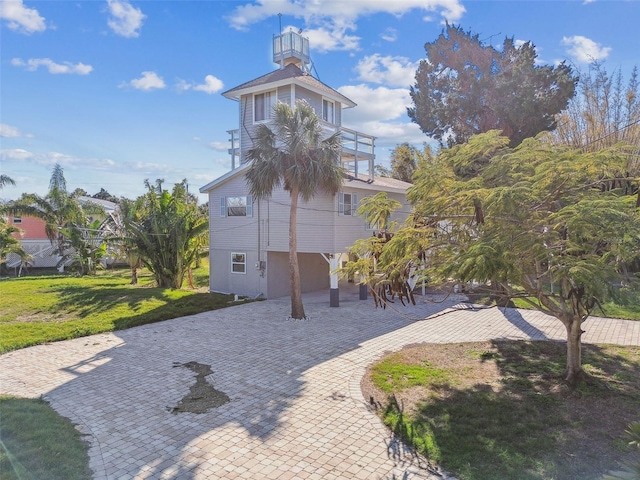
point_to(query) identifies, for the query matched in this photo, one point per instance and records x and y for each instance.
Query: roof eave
(224, 178)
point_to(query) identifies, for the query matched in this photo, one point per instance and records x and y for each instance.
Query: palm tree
(129, 213)
(166, 232)
(291, 153)
(6, 180)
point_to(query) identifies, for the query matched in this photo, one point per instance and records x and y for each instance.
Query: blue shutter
(223, 206)
(341, 203)
(249, 206)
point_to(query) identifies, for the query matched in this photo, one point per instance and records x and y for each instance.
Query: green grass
(627, 306)
(391, 375)
(37, 443)
(521, 422)
(44, 308)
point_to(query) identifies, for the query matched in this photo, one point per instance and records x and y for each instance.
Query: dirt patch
(587, 424)
(455, 358)
(202, 396)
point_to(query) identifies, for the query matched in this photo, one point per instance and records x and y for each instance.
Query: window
(238, 262)
(17, 220)
(236, 206)
(371, 226)
(328, 113)
(263, 106)
(347, 203)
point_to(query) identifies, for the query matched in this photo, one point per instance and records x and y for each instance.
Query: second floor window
(347, 203)
(263, 106)
(328, 113)
(236, 206)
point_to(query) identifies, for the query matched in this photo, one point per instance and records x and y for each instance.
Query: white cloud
(148, 81)
(381, 112)
(332, 37)
(585, 50)
(125, 20)
(323, 19)
(18, 154)
(388, 70)
(211, 85)
(55, 68)
(379, 103)
(389, 35)
(51, 158)
(20, 18)
(9, 131)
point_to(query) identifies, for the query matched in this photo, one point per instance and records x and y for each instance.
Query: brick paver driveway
(296, 410)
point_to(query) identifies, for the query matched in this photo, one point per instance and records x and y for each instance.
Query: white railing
(357, 156)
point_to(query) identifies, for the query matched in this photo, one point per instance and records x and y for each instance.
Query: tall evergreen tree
(465, 87)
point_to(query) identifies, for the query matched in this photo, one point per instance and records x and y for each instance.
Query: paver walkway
(296, 409)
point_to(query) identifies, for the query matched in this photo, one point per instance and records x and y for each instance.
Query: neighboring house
(34, 239)
(249, 239)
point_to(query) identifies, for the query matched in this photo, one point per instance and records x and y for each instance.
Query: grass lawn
(498, 410)
(627, 307)
(44, 308)
(36, 443)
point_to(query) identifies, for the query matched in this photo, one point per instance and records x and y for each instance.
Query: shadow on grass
(532, 426)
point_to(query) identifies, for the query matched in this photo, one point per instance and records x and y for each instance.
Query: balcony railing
(357, 154)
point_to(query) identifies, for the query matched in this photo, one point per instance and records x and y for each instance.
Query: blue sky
(118, 91)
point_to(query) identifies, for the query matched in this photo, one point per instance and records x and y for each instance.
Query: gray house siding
(314, 221)
(231, 232)
(350, 228)
(222, 279)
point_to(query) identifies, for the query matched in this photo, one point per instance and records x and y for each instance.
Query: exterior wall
(252, 283)
(315, 223)
(231, 232)
(312, 98)
(350, 228)
(315, 100)
(314, 273)
(32, 227)
(247, 126)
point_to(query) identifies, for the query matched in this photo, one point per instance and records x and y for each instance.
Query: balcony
(357, 154)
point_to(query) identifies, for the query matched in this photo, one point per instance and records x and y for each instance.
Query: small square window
(236, 206)
(17, 220)
(238, 262)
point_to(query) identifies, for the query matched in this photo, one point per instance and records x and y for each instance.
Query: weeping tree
(292, 152)
(168, 232)
(539, 219)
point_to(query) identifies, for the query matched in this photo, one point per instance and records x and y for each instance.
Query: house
(248, 237)
(34, 239)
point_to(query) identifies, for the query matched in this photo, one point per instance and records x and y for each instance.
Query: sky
(120, 91)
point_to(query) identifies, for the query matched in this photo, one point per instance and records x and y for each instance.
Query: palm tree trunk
(297, 309)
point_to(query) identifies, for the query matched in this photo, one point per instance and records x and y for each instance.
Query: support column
(334, 291)
(363, 290)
